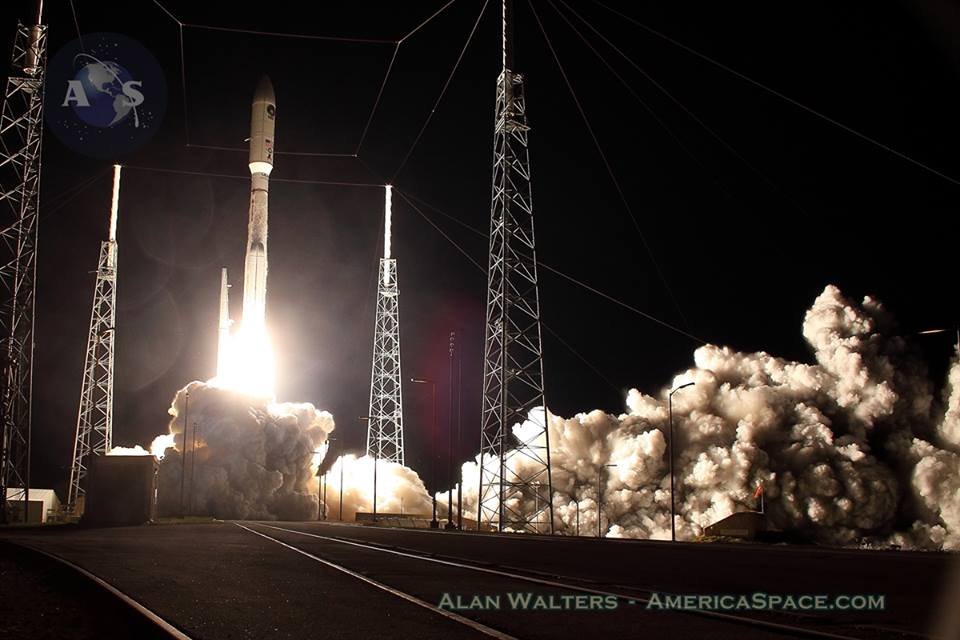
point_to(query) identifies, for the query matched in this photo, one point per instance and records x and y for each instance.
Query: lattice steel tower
(95, 417)
(515, 480)
(385, 424)
(21, 128)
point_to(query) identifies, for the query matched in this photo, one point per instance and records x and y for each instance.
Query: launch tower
(385, 426)
(94, 435)
(21, 129)
(515, 480)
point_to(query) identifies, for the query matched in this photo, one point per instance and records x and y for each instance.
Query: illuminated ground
(220, 580)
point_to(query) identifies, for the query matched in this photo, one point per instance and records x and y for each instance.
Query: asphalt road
(258, 580)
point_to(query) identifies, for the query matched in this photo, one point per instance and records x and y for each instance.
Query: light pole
(193, 463)
(673, 518)
(326, 470)
(459, 438)
(932, 331)
(450, 477)
(183, 454)
(599, 499)
(340, 513)
(434, 524)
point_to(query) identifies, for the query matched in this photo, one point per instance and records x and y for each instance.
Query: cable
(234, 177)
(278, 153)
(621, 303)
(183, 86)
(606, 163)
(726, 145)
(441, 231)
(782, 96)
(544, 266)
(166, 11)
(298, 36)
(383, 85)
(482, 270)
(442, 92)
(424, 23)
(68, 194)
(76, 23)
(583, 359)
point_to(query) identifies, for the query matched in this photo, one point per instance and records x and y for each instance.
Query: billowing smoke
(849, 450)
(246, 458)
(250, 459)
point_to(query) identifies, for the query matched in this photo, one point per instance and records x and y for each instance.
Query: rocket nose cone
(264, 91)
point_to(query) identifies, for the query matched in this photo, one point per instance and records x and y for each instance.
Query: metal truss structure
(94, 434)
(385, 424)
(515, 479)
(21, 129)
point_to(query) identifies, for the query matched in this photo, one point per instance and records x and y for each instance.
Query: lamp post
(326, 470)
(673, 518)
(459, 438)
(183, 454)
(340, 513)
(933, 331)
(434, 524)
(450, 476)
(193, 463)
(599, 499)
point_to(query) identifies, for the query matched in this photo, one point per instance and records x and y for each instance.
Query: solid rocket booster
(262, 124)
(223, 349)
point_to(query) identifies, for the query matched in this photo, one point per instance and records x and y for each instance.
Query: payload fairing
(262, 125)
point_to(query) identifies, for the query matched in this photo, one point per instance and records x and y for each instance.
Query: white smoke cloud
(248, 458)
(850, 449)
(835, 444)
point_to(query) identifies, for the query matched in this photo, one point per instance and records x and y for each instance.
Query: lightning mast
(223, 327)
(515, 479)
(95, 417)
(385, 426)
(21, 129)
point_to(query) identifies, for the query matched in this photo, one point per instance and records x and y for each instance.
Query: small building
(121, 491)
(42, 503)
(745, 524)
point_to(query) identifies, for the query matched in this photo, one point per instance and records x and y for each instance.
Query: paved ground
(223, 581)
(44, 600)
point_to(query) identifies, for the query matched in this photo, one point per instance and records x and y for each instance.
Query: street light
(434, 524)
(193, 463)
(599, 499)
(450, 476)
(673, 515)
(322, 480)
(933, 331)
(340, 513)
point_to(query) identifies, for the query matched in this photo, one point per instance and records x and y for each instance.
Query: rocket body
(262, 126)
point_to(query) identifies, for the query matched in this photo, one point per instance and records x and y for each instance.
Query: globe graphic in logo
(103, 85)
(106, 95)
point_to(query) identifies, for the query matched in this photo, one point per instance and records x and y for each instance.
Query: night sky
(746, 238)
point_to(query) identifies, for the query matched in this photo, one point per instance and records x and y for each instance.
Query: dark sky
(746, 240)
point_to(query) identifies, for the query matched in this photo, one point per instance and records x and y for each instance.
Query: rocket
(262, 123)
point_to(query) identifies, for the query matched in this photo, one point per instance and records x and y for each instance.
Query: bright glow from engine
(248, 363)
